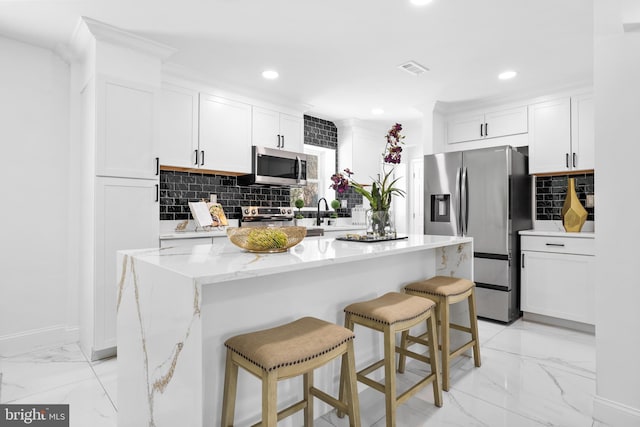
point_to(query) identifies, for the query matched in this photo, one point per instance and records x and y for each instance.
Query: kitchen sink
(314, 232)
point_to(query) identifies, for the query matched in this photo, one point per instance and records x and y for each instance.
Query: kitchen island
(177, 306)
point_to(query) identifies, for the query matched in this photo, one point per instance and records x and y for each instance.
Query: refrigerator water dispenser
(440, 207)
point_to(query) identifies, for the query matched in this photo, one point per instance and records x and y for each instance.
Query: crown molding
(108, 33)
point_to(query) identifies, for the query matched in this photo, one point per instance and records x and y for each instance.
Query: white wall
(617, 109)
(37, 290)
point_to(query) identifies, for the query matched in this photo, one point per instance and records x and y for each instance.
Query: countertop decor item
(574, 215)
(266, 239)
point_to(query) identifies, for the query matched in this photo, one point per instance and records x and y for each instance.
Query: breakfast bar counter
(177, 306)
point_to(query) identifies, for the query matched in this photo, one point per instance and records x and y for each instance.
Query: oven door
(279, 167)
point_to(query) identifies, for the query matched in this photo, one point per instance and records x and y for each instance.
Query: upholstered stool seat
(289, 350)
(445, 291)
(391, 313)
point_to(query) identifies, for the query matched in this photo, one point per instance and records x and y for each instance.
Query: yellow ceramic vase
(574, 214)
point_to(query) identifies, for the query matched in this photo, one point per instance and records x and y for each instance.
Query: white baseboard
(27, 341)
(615, 414)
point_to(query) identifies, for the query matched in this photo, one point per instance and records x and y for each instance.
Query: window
(321, 164)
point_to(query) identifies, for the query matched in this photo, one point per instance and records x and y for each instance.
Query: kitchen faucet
(326, 208)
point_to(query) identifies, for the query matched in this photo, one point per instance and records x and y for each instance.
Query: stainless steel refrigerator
(484, 194)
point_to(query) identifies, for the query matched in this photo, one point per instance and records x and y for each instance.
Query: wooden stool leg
(390, 375)
(473, 322)
(434, 359)
(308, 410)
(446, 342)
(344, 375)
(270, 399)
(230, 388)
(402, 360)
(351, 384)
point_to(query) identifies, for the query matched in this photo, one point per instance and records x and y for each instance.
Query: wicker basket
(266, 239)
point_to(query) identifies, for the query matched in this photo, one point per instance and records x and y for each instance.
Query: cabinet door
(582, 133)
(506, 122)
(225, 135)
(125, 125)
(292, 131)
(265, 128)
(550, 136)
(465, 128)
(558, 285)
(126, 217)
(178, 127)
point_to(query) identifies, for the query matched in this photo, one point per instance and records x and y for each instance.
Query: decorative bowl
(266, 239)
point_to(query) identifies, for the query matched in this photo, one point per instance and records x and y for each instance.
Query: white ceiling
(339, 57)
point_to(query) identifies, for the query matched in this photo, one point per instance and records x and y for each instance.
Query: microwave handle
(298, 168)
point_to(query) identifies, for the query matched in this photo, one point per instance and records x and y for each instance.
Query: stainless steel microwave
(270, 166)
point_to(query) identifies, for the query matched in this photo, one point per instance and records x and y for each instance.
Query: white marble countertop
(218, 263)
(548, 233)
(222, 232)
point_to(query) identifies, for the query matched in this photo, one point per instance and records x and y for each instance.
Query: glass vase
(380, 224)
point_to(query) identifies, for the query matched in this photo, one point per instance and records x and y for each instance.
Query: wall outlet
(343, 204)
(213, 198)
(590, 201)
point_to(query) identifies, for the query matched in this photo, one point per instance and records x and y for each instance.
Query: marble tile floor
(531, 375)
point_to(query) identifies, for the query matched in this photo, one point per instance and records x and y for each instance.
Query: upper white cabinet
(582, 132)
(491, 124)
(125, 129)
(561, 135)
(277, 130)
(225, 135)
(178, 127)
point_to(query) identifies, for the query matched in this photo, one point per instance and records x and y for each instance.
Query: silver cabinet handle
(157, 193)
(157, 166)
(279, 141)
(282, 142)
(196, 163)
(560, 245)
(566, 160)
(522, 266)
(481, 132)
(201, 157)
(486, 129)
(574, 160)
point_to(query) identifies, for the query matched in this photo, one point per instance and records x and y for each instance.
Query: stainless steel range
(253, 216)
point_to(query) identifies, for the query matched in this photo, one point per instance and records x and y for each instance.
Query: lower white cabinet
(126, 217)
(558, 277)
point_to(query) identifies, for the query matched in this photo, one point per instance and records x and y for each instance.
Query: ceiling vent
(413, 68)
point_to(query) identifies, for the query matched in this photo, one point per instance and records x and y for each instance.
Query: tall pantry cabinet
(116, 80)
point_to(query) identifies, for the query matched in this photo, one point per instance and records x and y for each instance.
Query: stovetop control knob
(246, 211)
(253, 212)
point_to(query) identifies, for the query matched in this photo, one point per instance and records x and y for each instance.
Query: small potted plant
(335, 204)
(299, 203)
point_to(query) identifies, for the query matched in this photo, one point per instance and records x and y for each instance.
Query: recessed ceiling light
(507, 75)
(420, 2)
(377, 111)
(270, 74)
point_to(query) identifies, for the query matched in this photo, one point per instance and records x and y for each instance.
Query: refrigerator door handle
(464, 194)
(459, 229)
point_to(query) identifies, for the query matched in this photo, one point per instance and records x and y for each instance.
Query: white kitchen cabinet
(557, 277)
(561, 135)
(274, 129)
(126, 217)
(178, 127)
(582, 132)
(225, 135)
(490, 124)
(125, 128)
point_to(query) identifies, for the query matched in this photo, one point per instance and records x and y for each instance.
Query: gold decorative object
(266, 239)
(574, 214)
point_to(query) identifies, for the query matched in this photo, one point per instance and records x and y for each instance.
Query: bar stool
(445, 291)
(391, 313)
(289, 350)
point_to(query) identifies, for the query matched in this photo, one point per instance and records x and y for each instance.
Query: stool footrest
(327, 398)
(371, 383)
(420, 339)
(462, 348)
(460, 328)
(296, 407)
(377, 365)
(413, 355)
(416, 388)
